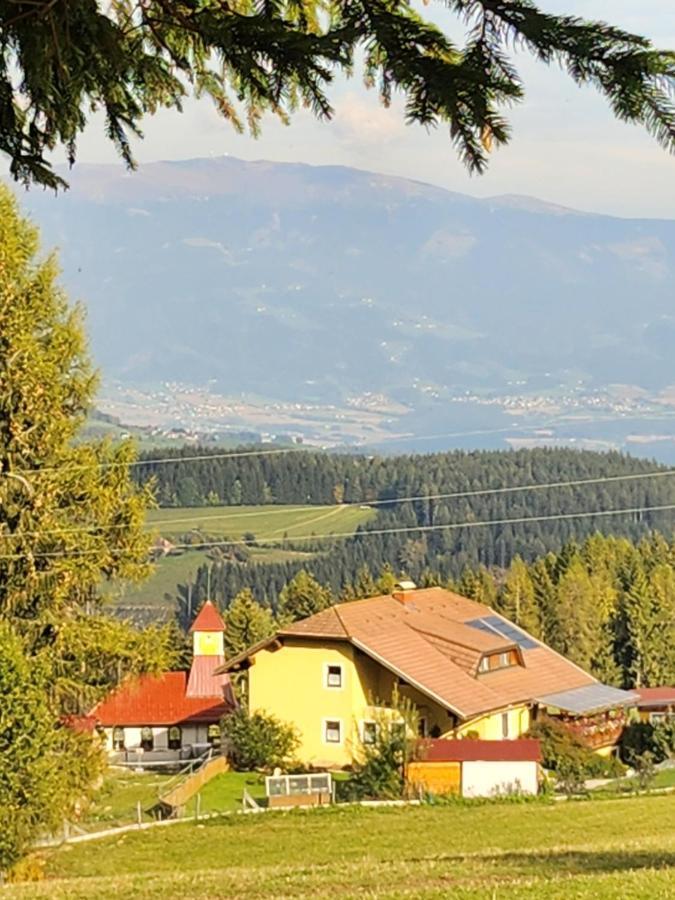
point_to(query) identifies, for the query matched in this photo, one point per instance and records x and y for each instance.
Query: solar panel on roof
(481, 625)
(495, 625)
(511, 632)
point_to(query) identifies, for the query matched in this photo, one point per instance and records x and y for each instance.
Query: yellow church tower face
(208, 643)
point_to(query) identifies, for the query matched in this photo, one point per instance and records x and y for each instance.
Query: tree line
(606, 603)
(312, 477)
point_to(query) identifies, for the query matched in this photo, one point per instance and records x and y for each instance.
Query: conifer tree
(126, 59)
(303, 597)
(517, 598)
(70, 520)
(246, 623)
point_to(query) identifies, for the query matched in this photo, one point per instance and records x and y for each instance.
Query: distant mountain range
(315, 284)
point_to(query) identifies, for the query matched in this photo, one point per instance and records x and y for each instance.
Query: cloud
(361, 120)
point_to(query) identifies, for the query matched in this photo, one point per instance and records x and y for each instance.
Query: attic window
(502, 660)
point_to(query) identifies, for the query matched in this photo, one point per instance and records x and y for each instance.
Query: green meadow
(270, 524)
(571, 849)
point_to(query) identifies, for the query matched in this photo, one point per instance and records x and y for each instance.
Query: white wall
(191, 734)
(487, 779)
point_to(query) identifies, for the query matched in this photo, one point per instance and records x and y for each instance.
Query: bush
(639, 738)
(259, 741)
(565, 754)
(380, 773)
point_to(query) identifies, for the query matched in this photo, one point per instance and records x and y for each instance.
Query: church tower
(208, 652)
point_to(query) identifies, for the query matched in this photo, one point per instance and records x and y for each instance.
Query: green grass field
(268, 523)
(116, 802)
(588, 849)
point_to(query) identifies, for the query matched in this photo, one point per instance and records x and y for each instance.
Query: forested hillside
(485, 479)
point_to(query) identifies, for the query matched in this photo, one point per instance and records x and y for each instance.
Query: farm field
(267, 523)
(587, 849)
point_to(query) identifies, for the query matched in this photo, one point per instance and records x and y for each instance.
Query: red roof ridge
(208, 619)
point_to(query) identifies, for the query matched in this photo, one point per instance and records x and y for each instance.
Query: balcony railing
(597, 731)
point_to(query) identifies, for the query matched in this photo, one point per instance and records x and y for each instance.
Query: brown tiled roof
(425, 640)
(324, 624)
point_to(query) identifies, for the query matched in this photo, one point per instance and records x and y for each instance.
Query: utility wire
(391, 501)
(417, 529)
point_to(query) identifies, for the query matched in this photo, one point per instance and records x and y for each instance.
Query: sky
(566, 148)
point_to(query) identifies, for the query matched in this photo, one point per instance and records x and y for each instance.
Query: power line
(418, 529)
(164, 460)
(391, 501)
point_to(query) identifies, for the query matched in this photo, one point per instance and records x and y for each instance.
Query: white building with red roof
(174, 715)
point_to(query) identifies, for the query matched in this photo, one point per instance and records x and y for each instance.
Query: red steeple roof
(208, 619)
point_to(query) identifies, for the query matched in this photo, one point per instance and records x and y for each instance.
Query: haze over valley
(348, 308)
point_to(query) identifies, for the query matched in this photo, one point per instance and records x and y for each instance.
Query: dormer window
(502, 660)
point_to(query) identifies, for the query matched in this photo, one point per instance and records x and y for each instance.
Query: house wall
(491, 727)
(191, 734)
(487, 779)
(290, 683)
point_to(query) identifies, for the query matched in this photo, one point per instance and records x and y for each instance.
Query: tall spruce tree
(303, 597)
(70, 518)
(517, 598)
(246, 623)
(63, 59)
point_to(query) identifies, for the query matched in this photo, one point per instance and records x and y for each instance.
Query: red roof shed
(523, 750)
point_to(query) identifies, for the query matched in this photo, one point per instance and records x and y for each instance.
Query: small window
(334, 676)
(484, 665)
(175, 738)
(333, 732)
(505, 725)
(118, 738)
(398, 730)
(369, 732)
(504, 660)
(213, 735)
(147, 739)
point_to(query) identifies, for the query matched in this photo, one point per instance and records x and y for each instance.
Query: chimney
(404, 591)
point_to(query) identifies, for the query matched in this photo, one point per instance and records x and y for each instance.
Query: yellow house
(469, 672)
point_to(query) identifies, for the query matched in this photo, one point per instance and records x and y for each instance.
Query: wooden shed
(475, 768)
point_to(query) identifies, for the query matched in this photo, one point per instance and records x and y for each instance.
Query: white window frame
(324, 731)
(506, 726)
(365, 722)
(113, 739)
(326, 671)
(484, 664)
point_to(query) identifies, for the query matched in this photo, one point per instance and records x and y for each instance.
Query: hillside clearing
(267, 523)
(602, 849)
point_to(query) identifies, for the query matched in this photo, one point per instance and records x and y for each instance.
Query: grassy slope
(116, 802)
(600, 849)
(266, 522)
